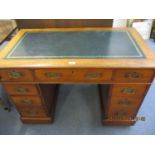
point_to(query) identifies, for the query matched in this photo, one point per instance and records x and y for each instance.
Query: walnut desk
(36, 61)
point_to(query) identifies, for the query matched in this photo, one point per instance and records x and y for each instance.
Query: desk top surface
(76, 44)
(91, 44)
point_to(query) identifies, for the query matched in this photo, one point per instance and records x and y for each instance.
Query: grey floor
(78, 112)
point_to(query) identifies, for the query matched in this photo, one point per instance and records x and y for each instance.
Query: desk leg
(118, 109)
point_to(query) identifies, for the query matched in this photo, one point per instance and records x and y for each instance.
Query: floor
(78, 113)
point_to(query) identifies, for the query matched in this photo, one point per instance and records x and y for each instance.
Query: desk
(36, 61)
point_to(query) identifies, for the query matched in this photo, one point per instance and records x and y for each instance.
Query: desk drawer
(134, 75)
(129, 90)
(55, 75)
(26, 101)
(122, 112)
(89, 75)
(21, 89)
(67, 75)
(125, 102)
(15, 75)
(33, 112)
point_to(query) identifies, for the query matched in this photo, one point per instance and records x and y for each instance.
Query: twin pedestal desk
(36, 61)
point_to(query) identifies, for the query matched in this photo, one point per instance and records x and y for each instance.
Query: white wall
(119, 22)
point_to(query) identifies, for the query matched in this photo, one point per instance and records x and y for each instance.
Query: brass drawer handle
(32, 113)
(133, 75)
(124, 102)
(128, 90)
(93, 75)
(15, 74)
(22, 90)
(121, 114)
(27, 102)
(53, 75)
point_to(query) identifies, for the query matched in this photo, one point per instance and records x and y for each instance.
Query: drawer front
(133, 75)
(21, 89)
(16, 75)
(33, 112)
(129, 90)
(122, 112)
(125, 102)
(89, 75)
(26, 101)
(55, 75)
(67, 75)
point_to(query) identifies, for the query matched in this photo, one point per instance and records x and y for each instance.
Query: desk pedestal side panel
(121, 102)
(33, 102)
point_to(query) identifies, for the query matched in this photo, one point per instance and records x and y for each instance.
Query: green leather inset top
(76, 44)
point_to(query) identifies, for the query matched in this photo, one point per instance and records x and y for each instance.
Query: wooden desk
(37, 60)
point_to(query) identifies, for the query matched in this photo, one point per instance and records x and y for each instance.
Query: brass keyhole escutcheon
(128, 90)
(14, 74)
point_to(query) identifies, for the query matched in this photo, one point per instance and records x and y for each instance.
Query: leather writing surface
(76, 44)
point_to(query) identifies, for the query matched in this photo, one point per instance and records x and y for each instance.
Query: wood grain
(106, 71)
(148, 62)
(21, 89)
(62, 23)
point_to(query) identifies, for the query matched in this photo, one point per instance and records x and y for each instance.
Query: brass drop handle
(128, 90)
(33, 113)
(27, 102)
(22, 90)
(124, 102)
(133, 75)
(53, 75)
(93, 75)
(121, 114)
(14, 74)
